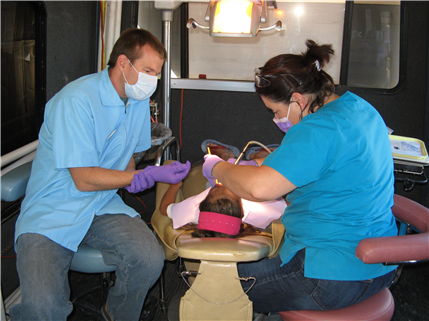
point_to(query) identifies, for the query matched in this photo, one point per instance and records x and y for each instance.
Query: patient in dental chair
(217, 212)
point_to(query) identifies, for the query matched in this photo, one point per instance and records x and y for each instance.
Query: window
(374, 45)
(22, 73)
(236, 58)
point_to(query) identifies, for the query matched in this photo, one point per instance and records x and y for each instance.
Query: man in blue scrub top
(91, 129)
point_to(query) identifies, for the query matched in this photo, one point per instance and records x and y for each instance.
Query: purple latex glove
(209, 162)
(140, 182)
(171, 174)
(243, 162)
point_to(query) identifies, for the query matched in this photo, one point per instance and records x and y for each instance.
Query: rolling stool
(89, 260)
(380, 306)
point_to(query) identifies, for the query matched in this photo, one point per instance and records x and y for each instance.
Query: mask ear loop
(124, 77)
(133, 66)
(294, 101)
(300, 116)
(288, 112)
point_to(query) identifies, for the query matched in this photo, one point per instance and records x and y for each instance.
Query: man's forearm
(90, 179)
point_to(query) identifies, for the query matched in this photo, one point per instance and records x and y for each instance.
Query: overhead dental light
(236, 18)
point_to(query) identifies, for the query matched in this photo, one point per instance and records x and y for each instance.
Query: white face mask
(143, 89)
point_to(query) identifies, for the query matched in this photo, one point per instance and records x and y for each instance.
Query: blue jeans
(284, 288)
(124, 241)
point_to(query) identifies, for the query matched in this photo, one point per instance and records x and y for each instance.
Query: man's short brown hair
(130, 43)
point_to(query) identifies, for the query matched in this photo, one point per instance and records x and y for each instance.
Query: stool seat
(380, 306)
(89, 260)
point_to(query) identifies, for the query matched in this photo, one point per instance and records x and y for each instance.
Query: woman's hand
(209, 162)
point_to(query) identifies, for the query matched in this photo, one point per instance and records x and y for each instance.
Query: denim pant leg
(130, 245)
(284, 288)
(43, 267)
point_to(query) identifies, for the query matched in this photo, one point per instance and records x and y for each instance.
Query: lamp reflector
(233, 17)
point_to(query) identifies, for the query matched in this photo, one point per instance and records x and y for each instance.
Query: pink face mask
(284, 123)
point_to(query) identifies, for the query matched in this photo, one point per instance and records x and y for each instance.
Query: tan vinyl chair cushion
(248, 248)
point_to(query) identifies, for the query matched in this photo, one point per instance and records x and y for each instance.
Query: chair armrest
(411, 212)
(14, 183)
(411, 247)
(394, 248)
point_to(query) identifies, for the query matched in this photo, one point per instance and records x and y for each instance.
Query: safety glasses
(263, 81)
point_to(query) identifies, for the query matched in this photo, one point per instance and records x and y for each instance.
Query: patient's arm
(169, 197)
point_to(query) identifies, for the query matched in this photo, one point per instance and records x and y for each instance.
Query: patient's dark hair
(223, 201)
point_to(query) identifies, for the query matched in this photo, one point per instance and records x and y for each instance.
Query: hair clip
(317, 64)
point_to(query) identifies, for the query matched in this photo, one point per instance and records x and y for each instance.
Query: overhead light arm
(209, 7)
(278, 26)
(192, 23)
(263, 11)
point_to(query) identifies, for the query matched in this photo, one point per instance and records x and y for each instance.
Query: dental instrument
(247, 146)
(209, 152)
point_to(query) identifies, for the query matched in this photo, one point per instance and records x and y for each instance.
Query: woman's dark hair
(130, 44)
(221, 200)
(290, 73)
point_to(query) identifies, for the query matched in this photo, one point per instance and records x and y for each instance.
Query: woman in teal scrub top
(336, 168)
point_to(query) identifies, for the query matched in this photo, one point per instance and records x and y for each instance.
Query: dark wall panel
(230, 117)
(71, 42)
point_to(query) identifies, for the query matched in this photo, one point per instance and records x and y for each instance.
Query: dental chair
(401, 249)
(215, 290)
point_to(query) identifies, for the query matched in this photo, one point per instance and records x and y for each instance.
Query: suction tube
(252, 142)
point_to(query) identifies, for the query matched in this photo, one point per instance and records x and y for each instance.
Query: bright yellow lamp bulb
(233, 16)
